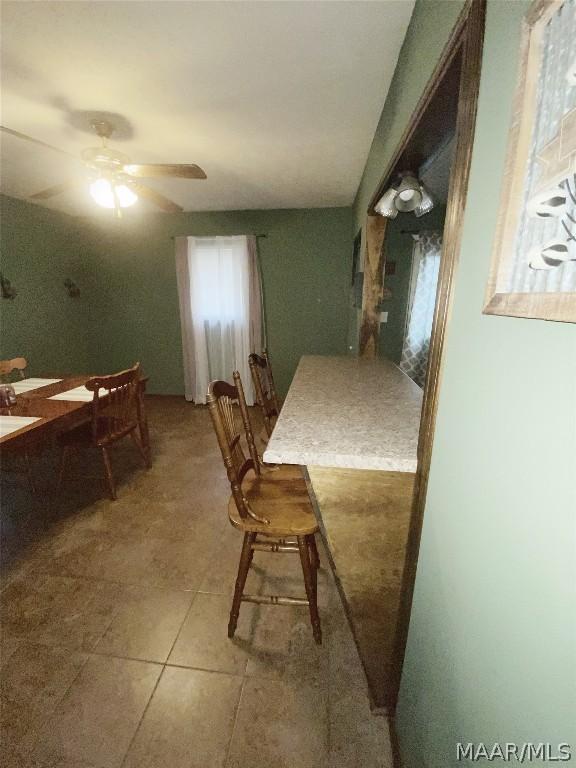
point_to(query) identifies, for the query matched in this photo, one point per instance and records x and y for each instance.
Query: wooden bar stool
(265, 391)
(271, 508)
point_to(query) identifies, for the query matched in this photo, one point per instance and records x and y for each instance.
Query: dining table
(47, 406)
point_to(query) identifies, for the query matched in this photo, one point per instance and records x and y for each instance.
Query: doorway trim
(467, 38)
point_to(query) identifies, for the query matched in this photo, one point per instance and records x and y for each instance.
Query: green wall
(492, 645)
(128, 308)
(306, 261)
(40, 249)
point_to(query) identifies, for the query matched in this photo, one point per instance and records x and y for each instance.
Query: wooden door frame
(466, 38)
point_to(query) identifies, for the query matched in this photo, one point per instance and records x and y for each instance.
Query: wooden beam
(372, 292)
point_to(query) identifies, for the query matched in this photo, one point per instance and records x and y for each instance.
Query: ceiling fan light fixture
(126, 196)
(111, 195)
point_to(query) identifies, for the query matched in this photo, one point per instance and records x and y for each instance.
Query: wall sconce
(73, 290)
(8, 292)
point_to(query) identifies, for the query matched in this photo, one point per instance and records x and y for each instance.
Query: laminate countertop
(348, 412)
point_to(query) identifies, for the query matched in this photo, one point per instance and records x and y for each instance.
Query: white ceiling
(277, 101)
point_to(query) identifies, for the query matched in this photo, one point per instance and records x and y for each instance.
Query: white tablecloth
(26, 385)
(79, 394)
(10, 424)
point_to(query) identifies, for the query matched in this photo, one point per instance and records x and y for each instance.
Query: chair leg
(314, 556)
(29, 472)
(310, 584)
(243, 568)
(138, 443)
(143, 429)
(315, 567)
(63, 462)
(108, 469)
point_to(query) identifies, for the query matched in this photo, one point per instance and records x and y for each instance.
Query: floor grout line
(234, 723)
(57, 704)
(122, 657)
(179, 632)
(136, 730)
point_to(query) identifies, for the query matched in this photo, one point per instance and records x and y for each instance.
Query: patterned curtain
(425, 266)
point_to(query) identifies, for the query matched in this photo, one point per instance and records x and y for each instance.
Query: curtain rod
(247, 234)
(417, 231)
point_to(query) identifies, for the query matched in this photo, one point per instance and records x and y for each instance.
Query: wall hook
(8, 291)
(73, 290)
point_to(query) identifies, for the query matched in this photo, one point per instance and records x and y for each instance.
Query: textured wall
(306, 268)
(41, 249)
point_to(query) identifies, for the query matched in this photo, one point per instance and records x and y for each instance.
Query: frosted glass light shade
(406, 197)
(385, 206)
(426, 204)
(409, 194)
(102, 191)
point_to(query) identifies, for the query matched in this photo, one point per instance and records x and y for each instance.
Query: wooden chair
(7, 367)
(116, 413)
(264, 389)
(272, 509)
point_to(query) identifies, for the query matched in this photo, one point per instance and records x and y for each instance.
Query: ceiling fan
(113, 176)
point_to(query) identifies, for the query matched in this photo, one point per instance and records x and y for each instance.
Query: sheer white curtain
(220, 310)
(425, 267)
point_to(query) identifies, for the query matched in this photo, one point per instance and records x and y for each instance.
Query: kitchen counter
(350, 413)
(364, 518)
(353, 425)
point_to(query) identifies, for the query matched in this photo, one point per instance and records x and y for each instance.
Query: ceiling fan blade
(155, 197)
(19, 135)
(154, 170)
(57, 189)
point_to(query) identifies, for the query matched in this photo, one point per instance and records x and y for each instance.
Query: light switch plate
(383, 317)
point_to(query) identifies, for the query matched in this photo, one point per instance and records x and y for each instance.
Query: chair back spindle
(264, 388)
(221, 400)
(115, 410)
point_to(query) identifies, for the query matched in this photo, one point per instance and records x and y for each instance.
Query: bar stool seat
(280, 499)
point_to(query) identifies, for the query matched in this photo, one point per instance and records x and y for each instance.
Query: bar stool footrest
(274, 600)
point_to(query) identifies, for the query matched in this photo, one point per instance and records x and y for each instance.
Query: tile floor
(114, 651)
